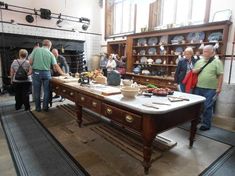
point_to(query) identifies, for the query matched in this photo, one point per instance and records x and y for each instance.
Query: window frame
(190, 11)
(109, 19)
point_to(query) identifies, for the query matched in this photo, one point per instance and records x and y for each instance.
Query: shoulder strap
(210, 60)
(19, 63)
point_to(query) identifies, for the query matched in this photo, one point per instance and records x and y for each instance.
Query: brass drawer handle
(129, 118)
(147, 80)
(56, 87)
(63, 90)
(71, 94)
(109, 111)
(82, 98)
(94, 104)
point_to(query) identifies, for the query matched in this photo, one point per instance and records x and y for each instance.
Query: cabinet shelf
(170, 54)
(176, 44)
(148, 46)
(155, 55)
(169, 78)
(192, 44)
(160, 65)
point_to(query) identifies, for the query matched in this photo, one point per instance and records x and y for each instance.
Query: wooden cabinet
(165, 47)
(117, 47)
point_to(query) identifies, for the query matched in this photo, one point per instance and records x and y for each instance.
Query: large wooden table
(131, 114)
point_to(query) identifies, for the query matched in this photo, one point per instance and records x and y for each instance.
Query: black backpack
(21, 74)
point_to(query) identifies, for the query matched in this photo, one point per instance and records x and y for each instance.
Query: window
(168, 11)
(198, 11)
(183, 11)
(123, 19)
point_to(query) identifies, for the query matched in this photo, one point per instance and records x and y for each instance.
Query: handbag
(191, 79)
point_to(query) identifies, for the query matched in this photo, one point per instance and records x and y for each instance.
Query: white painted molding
(41, 32)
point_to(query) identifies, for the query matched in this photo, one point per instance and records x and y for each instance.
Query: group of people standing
(208, 71)
(208, 75)
(113, 62)
(38, 68)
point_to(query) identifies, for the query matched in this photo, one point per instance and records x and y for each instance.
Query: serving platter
(152, 41)
(196, 36)
(215, 36)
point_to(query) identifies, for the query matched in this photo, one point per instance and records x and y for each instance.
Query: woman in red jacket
(184, 66)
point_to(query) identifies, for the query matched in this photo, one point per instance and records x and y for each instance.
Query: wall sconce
(29, 18)
(45, 14)
(59, 23)
(13, 22)
(85, 27)
(86, 22)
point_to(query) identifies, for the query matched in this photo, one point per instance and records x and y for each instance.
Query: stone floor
(100, 157)
(6, 163)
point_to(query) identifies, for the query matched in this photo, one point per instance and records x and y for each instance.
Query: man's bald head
(55, 52)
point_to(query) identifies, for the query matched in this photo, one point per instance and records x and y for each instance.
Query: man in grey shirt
(61, 61)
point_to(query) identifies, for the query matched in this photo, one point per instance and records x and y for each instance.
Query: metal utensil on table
(161, 103)
(172, 99)
(150, 106)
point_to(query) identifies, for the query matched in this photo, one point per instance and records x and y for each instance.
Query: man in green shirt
(41, 60)
(209, 83)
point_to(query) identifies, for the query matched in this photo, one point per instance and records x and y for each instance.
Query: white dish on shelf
(143, 60)
(158, 61)
(142, 42)
(142, 52)
(163, 39)
(152, 51)
(152, 41)
(150, 61)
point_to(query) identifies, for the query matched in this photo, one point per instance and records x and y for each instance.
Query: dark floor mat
(218, 134)
(223, 166)
(34, 151)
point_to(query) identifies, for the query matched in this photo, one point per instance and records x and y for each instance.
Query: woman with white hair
(22, 86)
(183, 67)
(111, 64)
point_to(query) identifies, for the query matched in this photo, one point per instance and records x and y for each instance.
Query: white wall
(218, 5)
(78, 8)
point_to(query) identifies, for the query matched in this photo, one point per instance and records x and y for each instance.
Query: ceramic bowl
(127, 82)
(129, 92)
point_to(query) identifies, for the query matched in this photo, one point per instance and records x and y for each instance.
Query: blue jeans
(208, 104)
(41, 78)
(181, 87)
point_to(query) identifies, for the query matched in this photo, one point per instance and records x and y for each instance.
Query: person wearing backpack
(21, 79)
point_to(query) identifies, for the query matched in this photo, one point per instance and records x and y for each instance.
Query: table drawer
(68, 93)
(125, 118)
(90, 103)
(56, 88)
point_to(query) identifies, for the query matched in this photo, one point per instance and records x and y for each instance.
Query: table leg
(194, 124)
(193, 131)
(79, 114)
(149, 134)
